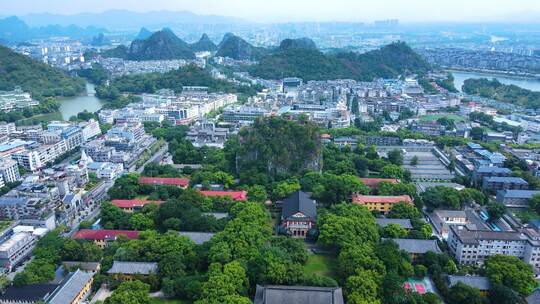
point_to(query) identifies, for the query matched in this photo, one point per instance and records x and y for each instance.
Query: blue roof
(506, 179)
(474, 146)
(492, 169)
(519, 193)
(8, 201)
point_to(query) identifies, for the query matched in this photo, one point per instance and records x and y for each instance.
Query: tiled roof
(505, 179)
(133, 268)
(235, 195)
(481, 283)
(133, 203)
(526, 194)
(172, 181)
(374, 182)
(364, 199)
(417, 246)
(493, 169)
(27, 293)
(71, 288)
(104, 234)
(271, 294)
(197, 237)
(297, 202)
(403, 223)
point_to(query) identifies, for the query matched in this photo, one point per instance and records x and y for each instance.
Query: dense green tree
(395, 157)
(394, 231)
(363, 287)
(501, 294)
(347, 224)
(404, 210)
(257, 193)
(441, 197)
(392, 171)
(461, 293)
(130, 292)
(510, 272)
(495, 210)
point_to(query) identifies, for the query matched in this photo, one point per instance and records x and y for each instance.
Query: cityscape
(177, 152)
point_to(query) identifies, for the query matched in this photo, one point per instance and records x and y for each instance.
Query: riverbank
(525, 76)
(525, 83)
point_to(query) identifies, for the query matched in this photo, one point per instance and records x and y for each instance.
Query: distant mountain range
(300, 59)
(118, 19)
(204, 45)
(13, 30)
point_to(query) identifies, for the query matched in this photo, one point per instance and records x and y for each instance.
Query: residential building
(516, 198)
(22, 207)
(416, 248)
(382, 204)
(127, 271)
(383, 141)
(132, 205)
(504, 183)
(9, 170)
(17, 248)
(481, 283)
(489, 171)
(298, 214)
(234, 195)
(105, 170)
(90, 129)
(441, 220)
(74, 289)
(274, 294)
(165, 181)
(102, 237)
(471, 246)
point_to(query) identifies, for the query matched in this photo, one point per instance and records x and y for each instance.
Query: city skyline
(298, 11)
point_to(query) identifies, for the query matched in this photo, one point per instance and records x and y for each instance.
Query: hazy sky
(300, 10)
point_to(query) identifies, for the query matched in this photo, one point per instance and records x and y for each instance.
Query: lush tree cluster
(502, 92)
(50, 250)
(35, 77)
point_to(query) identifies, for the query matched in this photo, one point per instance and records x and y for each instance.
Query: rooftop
(133, 203)
(506, 179)
(364, 199)
(403, 223)
(133, 268)
(481, 283)
(235, 195)
(28, 293)
(104, 234)
(272, 294)
(172, 181)
(417, 246)
(299, 202)
(73, 285)
(197, 237)
(374, 182)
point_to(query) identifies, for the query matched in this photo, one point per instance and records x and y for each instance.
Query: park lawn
(434, 117)
(320, 264)
(168, 301)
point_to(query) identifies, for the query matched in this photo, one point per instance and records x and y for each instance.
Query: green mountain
(35, 77)
(237, 48)
(310, 64)
(204, 45)
(300, 43)
(161, 45)
(144, 33)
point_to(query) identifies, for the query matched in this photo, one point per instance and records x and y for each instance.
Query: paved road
(155, 158)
